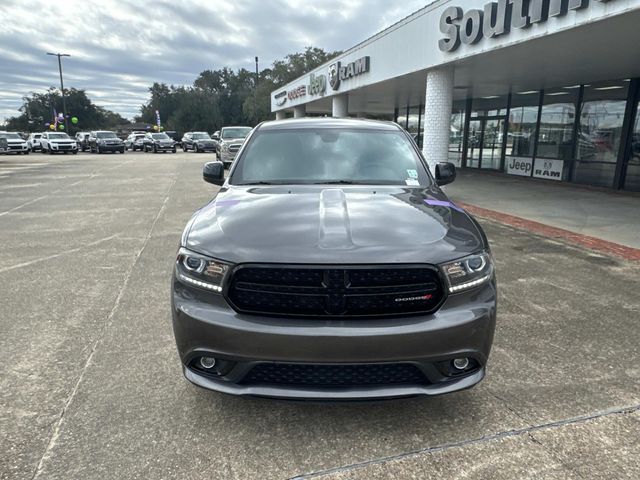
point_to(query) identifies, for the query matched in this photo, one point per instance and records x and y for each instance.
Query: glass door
(474, 143)
(492, 143)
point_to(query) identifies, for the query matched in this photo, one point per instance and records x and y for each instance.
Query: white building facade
(546, 89)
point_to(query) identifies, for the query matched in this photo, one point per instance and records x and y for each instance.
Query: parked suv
(198, 142)
(58, 142)
(231, 140)
(15, 143)
(159, 142)
(82, 139)
(331, 265)
(105, 141)
(135, 141)
(33, 142)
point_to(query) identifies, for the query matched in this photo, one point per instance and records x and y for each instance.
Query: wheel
(184, 148)
(196, 149)
(99, 151)
(122, 150)
(75, 152)
(175, 150)
(155, 149)
(49, 151)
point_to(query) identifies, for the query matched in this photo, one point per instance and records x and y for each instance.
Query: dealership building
(547, 89)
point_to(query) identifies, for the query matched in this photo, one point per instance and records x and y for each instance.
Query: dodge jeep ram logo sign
(281, 98)
(339, 73)
(317, 84)
(498, 18)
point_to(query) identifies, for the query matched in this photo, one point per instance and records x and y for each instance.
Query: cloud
(119, 48)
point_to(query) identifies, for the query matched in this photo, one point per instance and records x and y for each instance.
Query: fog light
(207, 362)
(461, 363)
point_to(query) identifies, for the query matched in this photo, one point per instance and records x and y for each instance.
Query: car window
(59, 136)
(160, 136)
(10, 136)
(240, 132)
(106, 135)
(331, 156)
(201, 136)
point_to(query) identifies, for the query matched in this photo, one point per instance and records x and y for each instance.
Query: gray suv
(332, 266)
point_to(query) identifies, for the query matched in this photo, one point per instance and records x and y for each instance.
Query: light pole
(255, 93)
(64, 103)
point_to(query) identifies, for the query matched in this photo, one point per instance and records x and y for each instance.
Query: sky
(119, 48)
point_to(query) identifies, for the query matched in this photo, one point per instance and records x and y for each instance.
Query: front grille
(335, 292)
(14, 147)
(335, 375)
(65, 147)
(233, 148)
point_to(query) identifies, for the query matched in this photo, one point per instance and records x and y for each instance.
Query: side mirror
(213, 172)
(445, 173)
(216, 138)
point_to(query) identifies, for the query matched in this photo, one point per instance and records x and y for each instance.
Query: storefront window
(413, 124)
(402, 117)
(523, 121)
(556, 124)
(600, 131)
(491, 106)
(632, 180)
(456, 134)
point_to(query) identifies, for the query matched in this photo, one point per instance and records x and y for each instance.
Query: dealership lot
(91, 386)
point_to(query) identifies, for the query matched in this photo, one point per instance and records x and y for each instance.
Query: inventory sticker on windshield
(411, 182)
(412, 173)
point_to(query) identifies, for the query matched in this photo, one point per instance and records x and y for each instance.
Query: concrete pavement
(91, 387)
(608, 215)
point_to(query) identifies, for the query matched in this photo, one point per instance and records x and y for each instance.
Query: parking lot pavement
(91, 387)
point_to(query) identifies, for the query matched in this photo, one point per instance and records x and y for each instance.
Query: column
(437, 119)
(341, 106)
(281, 114)
(300, 111)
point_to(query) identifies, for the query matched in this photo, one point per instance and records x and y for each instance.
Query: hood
(14, 141)
(322, 225)
(234, 140)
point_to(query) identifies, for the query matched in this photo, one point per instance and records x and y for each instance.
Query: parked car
(82, 139)
(105, 141)
(135, 141)
(216, 140)
(159, 142)
(15, 143)
(331, 265)
(198, 142)
(231, 140)
(3, 146)
(33, 142)
(58, 142)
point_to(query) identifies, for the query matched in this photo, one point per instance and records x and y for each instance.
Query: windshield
(106, 135)
(329, 156)
(10, 136)
(160, 136)
(58, 136)
(201, 136)
(240, 132)
(37, 135)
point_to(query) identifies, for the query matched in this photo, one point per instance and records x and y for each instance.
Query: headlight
(201, 271)
(468, 272)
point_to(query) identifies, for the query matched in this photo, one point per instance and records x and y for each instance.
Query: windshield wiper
(336, 182)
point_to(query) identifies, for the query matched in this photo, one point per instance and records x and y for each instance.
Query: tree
(38, 109)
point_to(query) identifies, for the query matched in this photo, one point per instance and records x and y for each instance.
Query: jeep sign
(519, 166)
(498, 18)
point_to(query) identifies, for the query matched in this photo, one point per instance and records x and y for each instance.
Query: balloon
(52, 126)
(74, 120)
(61, 127)
(155, 127)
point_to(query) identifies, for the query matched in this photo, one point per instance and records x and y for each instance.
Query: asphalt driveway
(91, 387)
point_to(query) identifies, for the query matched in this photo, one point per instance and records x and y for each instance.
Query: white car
(34, 142)
(15, 143)
(54, 142)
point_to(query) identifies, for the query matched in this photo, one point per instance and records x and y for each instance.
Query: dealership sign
(498, 18)
(297, 92)
(549, 169)
(281, 98)
(519, 166)
(338, 73)
(317, 84)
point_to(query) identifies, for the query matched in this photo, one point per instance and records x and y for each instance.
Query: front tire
(155, 149)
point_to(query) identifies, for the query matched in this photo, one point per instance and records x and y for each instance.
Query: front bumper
(63, 148)
(17, 147)
(111, 147)
(163, 148)
(205, 325)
